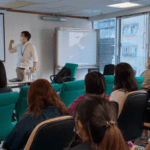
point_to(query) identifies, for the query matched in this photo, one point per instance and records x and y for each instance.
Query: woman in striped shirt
(94, 84)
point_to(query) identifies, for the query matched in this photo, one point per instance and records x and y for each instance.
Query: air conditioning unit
(49, 18)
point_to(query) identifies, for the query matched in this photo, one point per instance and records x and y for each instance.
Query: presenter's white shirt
(25, 53)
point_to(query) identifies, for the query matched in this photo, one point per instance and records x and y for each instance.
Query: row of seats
(130, 122)
(68, 92)
(62, 127)
(71, 90)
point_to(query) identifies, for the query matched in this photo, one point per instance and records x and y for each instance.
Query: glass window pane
(107, 49)
(133, 42)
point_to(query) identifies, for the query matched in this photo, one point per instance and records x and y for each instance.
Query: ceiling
(82, 8)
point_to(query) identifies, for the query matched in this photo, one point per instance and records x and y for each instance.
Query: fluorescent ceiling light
(124, 5)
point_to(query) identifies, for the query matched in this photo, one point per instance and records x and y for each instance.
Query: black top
(82, 146)
(5, 90)
(18, 138)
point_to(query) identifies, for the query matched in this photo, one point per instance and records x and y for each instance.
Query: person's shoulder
(31, 45)
(9, 88)
(106, 96)
(117, 92)
(6, 89)
(19, 45)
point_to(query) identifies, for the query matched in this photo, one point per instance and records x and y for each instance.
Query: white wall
(42, 37)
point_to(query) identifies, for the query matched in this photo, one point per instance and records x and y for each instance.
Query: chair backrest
(109, 69)
(73, 69)
(109, 84)
(71, 91)
(131, 114)
(56, 87)
(7, 105)
(52, 134)
(22, 102)
(116, 106)
(140, 80)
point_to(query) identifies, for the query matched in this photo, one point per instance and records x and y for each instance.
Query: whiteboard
(2, 39)
(78, 46)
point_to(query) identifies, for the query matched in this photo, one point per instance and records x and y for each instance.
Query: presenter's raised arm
(11, 49)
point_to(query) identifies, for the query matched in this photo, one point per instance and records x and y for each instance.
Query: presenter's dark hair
(27, 34)
(125, 78)
(95, 83)
(3, 78)
(41, 95)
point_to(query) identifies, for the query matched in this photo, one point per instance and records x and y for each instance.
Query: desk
(16, 84)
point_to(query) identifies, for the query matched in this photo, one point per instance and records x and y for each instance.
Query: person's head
(25, 36)
(147, 65)
(125, 78)
(3, 77)
(95, 83)
(95, 121)
(41, 95)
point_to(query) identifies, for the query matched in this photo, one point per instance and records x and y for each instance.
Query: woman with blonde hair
(43, 103)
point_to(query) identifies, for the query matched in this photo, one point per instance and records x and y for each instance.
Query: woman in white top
(124, 82)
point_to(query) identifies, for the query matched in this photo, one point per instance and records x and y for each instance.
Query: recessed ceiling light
(124, 5)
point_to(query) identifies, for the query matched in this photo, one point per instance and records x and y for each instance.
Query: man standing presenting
(25, 52)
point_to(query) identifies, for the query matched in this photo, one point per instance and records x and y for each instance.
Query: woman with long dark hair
(3, 79)
(43, 103)
(124, 82)
(95, 123)
(94, 84)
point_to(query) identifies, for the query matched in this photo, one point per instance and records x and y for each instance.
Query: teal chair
(140, 80)
(73, 69)
(71, 91)
(22, 102)
(7, 105)
(56, 87)
(109, 84)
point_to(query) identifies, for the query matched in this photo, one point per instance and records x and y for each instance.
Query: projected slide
(2, 41)
(79, 47)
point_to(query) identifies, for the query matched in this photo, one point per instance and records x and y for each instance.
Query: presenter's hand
(32, 70)
(12, 41)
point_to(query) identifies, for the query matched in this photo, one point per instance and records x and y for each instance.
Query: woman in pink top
(94, 84)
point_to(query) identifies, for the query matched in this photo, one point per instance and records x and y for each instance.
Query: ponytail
(113, 139)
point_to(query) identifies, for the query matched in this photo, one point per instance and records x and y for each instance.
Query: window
(107, 49)
(133, 49)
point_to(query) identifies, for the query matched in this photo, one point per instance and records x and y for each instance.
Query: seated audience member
(146, 75)
(124, 82)
(43, 103)
(3, 79)
(94, 84)
(95, 124)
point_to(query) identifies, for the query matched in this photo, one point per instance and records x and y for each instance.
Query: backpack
(64, 75)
